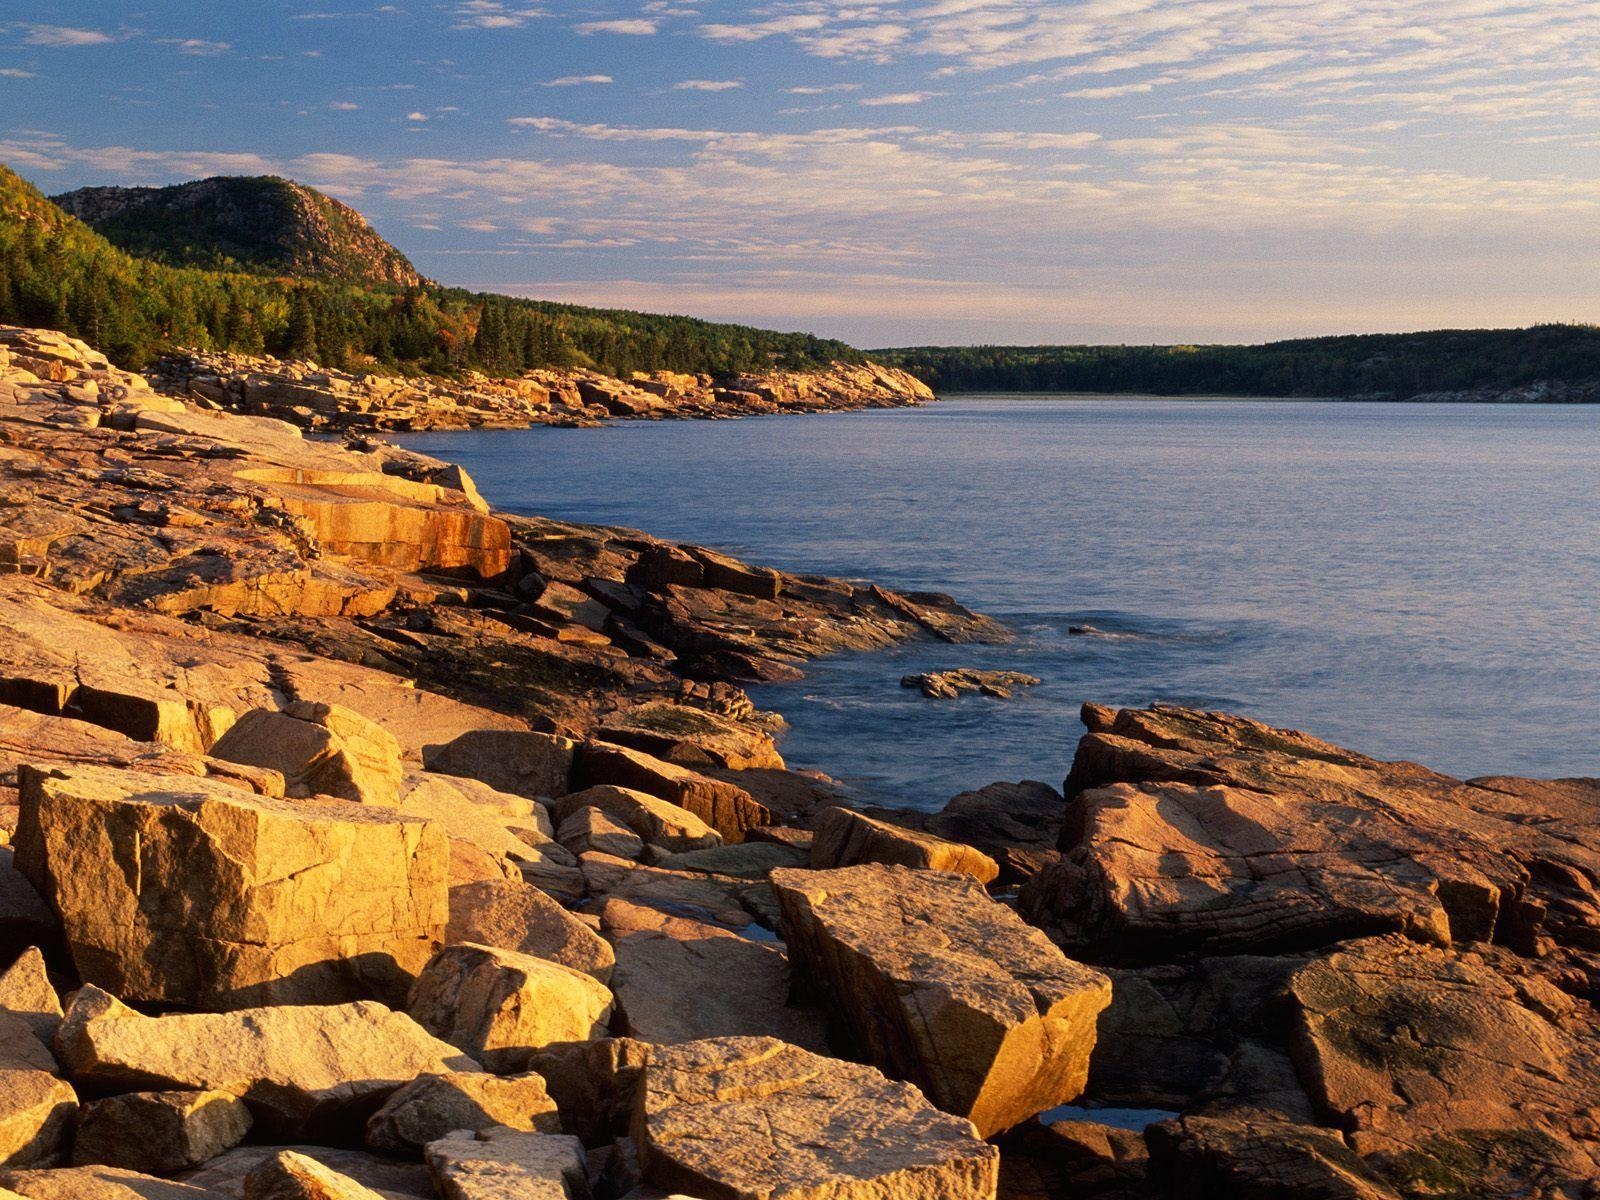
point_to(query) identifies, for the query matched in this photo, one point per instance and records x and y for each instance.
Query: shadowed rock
(845, 838)
(159, 1133)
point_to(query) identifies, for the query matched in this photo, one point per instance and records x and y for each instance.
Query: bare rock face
(511, 915)
(298, 1068)
(26, 992)
(97, 1183)
(235, 898)
(727, 808)
(679, 980)
(1016, 824)
(753, 1118)
(321, 750)
(226, 1174)
(36, 1106)
(592, 830)
(923, 974)
(501, 1164)
(845, 838)
(433, 1106)
(159, 1133)
(594, 1084)
(288, 1175)
(25, 918)
(525, 764)
(655, 821)
(1444, 1068)
(501, 1007)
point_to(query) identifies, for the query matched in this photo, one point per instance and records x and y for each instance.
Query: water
(1415, 581)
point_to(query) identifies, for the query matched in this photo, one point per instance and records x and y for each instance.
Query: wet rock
(748, 1118)
(501, 1006)
(679, 980)
(949, 685)
(216, 914)
(525, 764)
(656, 821)
(517, 916)
(726, 808)
(846, 838)
(159, 1133)
(500, 1164)
(921, 972)
(299, 1068)
(433, 1106)
(320, 749)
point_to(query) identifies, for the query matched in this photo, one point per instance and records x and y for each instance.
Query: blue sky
(927, 171)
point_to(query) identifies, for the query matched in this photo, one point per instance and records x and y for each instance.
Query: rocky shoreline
(359, 841)
(325, 400)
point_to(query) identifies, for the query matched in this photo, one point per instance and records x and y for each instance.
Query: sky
(932, 171)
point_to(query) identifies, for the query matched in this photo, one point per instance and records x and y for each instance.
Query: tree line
(1386, 365)
(57, 273)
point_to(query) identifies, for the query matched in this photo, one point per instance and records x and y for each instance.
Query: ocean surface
(1414, 581)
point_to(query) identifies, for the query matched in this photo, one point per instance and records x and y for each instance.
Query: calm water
(1417, 581)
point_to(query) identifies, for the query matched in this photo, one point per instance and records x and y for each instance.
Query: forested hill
(58, 273)
(1393, 366)
(250, 223)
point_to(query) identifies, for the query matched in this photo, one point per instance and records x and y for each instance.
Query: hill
(59, 273)
(255, 223)
(1558, 360)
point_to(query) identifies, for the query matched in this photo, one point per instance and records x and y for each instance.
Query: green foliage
(1389, 365)
(58, 273)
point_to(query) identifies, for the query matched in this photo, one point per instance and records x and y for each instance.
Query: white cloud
(61, 35)
(493, 14)
(416, 116)
(16, 73)
(635, 27)
(708, 85)
(577, 81)
(897, 98)
(199, 47)
(824, 89)
(343, 106)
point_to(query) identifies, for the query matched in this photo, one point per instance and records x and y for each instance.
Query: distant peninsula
(1542, 364)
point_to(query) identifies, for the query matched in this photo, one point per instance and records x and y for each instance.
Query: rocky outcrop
(512, 915)
(213, 911)
(320, 750)
(750, 1118)
(950, 685)
(159, 1133)
(434, 1106)
(726, 808)
(923, 974)
(321, 398)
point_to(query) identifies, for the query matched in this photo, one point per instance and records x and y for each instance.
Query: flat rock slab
(234, 899)
(680, 980)
(923, 974)
(298, 1068)
(504, 1165)
(756, 1119)
(98, 1183)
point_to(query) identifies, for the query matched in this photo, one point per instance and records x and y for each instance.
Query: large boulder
(753, 1118)
(289, 1175)
(501, 1006)
(846, 838)
(925, 975)
(725, 807)
(511, 915)
(432, 1106)
(680, 980)
(502, 1164)
(234, 898)
(298, 1068)
(522, 763)
(320, 749)
(658, 822)
(159, 1133)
